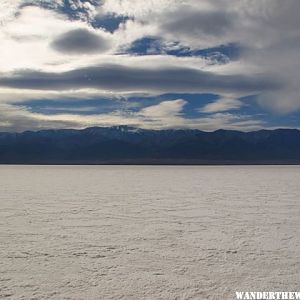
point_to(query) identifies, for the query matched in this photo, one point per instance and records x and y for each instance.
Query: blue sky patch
(109, 22)
(155, 46)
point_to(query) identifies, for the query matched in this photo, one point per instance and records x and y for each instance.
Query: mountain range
(128, 145)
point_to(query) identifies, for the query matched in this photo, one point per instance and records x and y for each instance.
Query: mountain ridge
(130, 145)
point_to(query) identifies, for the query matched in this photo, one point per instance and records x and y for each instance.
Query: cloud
(73, 9)
(120, 78)
(46, 46)
(266, 30)
(136, 8)
(80, 41)
(193, 23)
(7, 10)
(165, 115)
(222, 104)
(164, 109)
(19, 119)
(25, 40)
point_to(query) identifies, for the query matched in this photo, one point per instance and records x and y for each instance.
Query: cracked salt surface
(135, 232)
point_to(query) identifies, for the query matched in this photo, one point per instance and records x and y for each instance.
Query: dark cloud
(129, 79)
(80, 41)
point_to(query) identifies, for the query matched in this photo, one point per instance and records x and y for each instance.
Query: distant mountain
(127, 145)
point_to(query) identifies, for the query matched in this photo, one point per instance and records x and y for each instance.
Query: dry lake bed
(148, 232)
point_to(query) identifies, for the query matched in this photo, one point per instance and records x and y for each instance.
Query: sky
(155, 64)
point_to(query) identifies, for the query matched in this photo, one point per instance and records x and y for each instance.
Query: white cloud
(136, 8)
(222, 104)
(7, 10)
(26, 42)
(164, 109)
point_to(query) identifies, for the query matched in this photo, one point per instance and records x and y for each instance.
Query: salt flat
(135, 232)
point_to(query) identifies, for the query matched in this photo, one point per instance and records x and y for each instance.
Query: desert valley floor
(138, 232)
